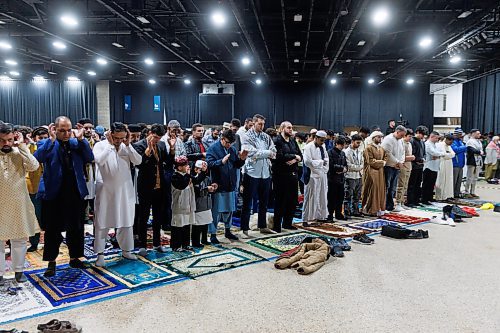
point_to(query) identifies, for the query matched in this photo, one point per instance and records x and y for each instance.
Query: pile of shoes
(56, 326)
(398, 232)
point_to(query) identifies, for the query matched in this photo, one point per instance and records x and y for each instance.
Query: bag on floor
(395, 231)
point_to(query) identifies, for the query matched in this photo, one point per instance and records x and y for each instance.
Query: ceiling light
(455, 59)
(361, 43)
(55, 61)
(4, 78)
(371, 81)
(380, 16)
(410, 81)
(187, 81)
(333, 81)
(11, 62)
(91, 73)
(118, 81)
(383, 72)
(149, 61)
(73, 78)
(2, 22)
(52, 73)
(59, 45)
(340, 73)
(296, 73)
(296, 60)
(401, 60)
(69, 21)
(297, 18)
(296, 44)
(118, 45)
(142, 19)
(295, 81)
(484, 35)
(5, 45)
(151, 81)
(465, 14)
(174, 44)
(245, 61)
(218, 18)
(258, 81)
(171, 73)
(348, 60)
(453, 81)
(235, 44)
(429, 72)
(211, 73)
(14, 73)
(130, 73)
(38, 78)
(196, 61)
(253, 73)
(425, 42)
(102, 61)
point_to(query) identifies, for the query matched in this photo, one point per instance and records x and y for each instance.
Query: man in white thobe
(445, 183)
(316, 187)
(115, 195)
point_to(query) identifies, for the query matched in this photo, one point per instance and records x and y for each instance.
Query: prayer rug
(72, 285)
(375, 225)
(282, 242)
(332, 230)
(214, 262)
(27, 301)
(35, 259)
(88, 249)
(465, 202)
(165, 258)
(401, 218)
(136, 273)
(432, 209)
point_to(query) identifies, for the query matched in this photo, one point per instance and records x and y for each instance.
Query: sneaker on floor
(20, 277)
(267, 231)
(362, 239)
(214, 240)
(245, 234)
(142, 252)
(161, 249)
(129, 255)
(398, 209)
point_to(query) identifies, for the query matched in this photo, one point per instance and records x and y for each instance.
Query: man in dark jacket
(195, 148)
(224, 163)
(151, 186)
(285, 177)
(417, 167)
(336, 179)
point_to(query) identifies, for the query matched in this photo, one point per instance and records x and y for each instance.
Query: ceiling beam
(254, 9)
(308, 32)
(330, 36)
(283, 19)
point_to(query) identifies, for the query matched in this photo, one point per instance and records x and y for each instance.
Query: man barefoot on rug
(18, 220)
(115, 195)
(62, 190)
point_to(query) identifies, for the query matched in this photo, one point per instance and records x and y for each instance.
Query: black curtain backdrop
(39, 103)
(317, 105)
(481, 104)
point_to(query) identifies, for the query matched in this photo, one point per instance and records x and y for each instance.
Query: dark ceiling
(329, 34)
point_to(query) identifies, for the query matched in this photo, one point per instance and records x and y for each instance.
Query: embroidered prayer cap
(181, 161)
(40, 131)
(313, 131)
(173, 123)
(376, 133)
(321, 134)
(199, 164)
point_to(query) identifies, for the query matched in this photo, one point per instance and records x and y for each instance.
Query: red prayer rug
(401, 218)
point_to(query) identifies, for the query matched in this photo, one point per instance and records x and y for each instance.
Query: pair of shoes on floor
(363, 239)
(418, 234)
(56, 326)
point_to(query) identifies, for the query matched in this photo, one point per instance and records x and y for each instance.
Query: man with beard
(336, 179)
(374, 195)
(210, 139)
(474, 162)
(248, 125)
(135, 136)
(195, 148)
(285, 177)
(18, 220)
(431, 168)
(63, 189)
(417, 166)
(393, 146)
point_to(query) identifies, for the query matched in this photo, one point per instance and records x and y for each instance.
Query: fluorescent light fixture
(401, 60)
(453, 81)
(211, 73)
(187, 81)
(340, 73)
(4, 78)
(410, 81)
(152, 81)
(5, 45)
(38, 78)
(295, 73)
(118, 45)
(11, 62)
(91, 73)
(380, 16)
(174, 44)
(465, 14)
(253, 73)
(383, 72)
(52, 73)
(333, 81)
(59, 45)
(425, 42)
(295, 81)
(171, 73)
(69, 21)
(296, 60)
(235, 44)
(14, 73)
(455, 59)
(371, 81)
(296, 44)
(348, 60)
(149, 61)
(130, 73)
(73, 78)
(2, 22)
(118, 81)
(142, 19)
(196, 61)
(361, 43)
(245, 61)
(55, 61)
(218, 18)
(297, 17)
(258, 81)
(102, 61)
(429, 72)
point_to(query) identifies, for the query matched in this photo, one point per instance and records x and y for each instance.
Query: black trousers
(428, 183)
(167, 220)
(335, 197)
(137, 218)
(414, 187)
(63, 214)
(301, 184)
(285, 199)
(154, 199)
(251, 187)
(180, 237)
(199, 234)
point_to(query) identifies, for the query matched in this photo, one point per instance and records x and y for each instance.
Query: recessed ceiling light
(149, 61)
(118, 81)
(296, 60)
(196, 61)
(187, 81)
(295, 73)
(118, 45)
(174, 44)
(295, 81)
(69, 20)
(171, 73)
(151, 81)
(371, 81)
(410, 81)
(429, 72)
(52, 73)
(348, 60)
(73, 78)
(142, 19)
(425, 42)
(59, 45)
(296, 44)
(235, 44)
(340, 73)
(464, 14)
(297, 18)
(2, 22)
(333, 81)
(258, 81)
(38, 78)
(14, 73)
(218, 18)
(253, 73)
(455, 59)
(130, 73)
(5, 45)
(211, 73)
(55, 61)
(380, 16)
(383, 72)
(11, 62)
(245, 61)
(91, 73)
(222, 81)
(453, 81)
(401, 60)
(102, 61)
(361, 43)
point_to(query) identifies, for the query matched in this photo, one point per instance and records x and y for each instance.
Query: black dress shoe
(416, 234)
(341, 218)
(291, 227)
(51, 269)
(77, 263)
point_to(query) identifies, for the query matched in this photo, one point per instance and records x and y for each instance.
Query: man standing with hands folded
(393, 146)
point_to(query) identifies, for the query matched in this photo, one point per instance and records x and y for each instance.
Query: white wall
(453, 100)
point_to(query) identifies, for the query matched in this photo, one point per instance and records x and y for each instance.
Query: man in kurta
(445, 183)
(315, 179)
(374, 196)
(18, 221)
(115, 194)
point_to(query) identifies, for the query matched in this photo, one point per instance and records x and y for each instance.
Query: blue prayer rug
(282, 242)
(165, 258)
(72, 285)
(214, 262)
(375, 225)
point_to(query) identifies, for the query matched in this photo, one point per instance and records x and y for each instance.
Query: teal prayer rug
(282, 242)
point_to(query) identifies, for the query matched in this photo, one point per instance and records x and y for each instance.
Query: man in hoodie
(417, 166)
(460, 149)
(474, 162)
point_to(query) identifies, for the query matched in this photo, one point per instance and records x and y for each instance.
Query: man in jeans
(393, 146)
(460, 149)
(353, 181)
(257, 179)
(474, 162)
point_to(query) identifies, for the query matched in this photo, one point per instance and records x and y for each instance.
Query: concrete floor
(447, 283)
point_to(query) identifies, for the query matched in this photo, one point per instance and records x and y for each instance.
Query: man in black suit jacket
(151, 187)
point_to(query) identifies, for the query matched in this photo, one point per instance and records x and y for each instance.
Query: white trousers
(124, 236)
(17, 254)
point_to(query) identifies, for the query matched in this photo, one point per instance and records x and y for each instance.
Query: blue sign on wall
(156, 103)
(127, 103)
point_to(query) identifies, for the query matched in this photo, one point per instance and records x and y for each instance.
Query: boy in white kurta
(444, 182)
(115, 194)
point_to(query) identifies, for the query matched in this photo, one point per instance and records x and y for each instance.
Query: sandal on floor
(52, 323)
(63, 327)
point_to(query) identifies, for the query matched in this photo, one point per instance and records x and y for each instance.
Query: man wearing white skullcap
(374, 195)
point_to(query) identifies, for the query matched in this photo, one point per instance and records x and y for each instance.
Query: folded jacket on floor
(306, 258)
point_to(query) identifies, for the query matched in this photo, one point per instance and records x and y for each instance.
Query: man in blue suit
(62, 191)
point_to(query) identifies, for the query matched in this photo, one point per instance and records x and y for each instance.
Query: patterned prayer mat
(465, 202)
(27, 301)
(164, 258)
(282, 242)
(35, 259)
(72, 285)
(214, 262)
(332, 230)
(375, 225)
(88, 249)
(402, 218)
(432, 209)
(135, 273)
